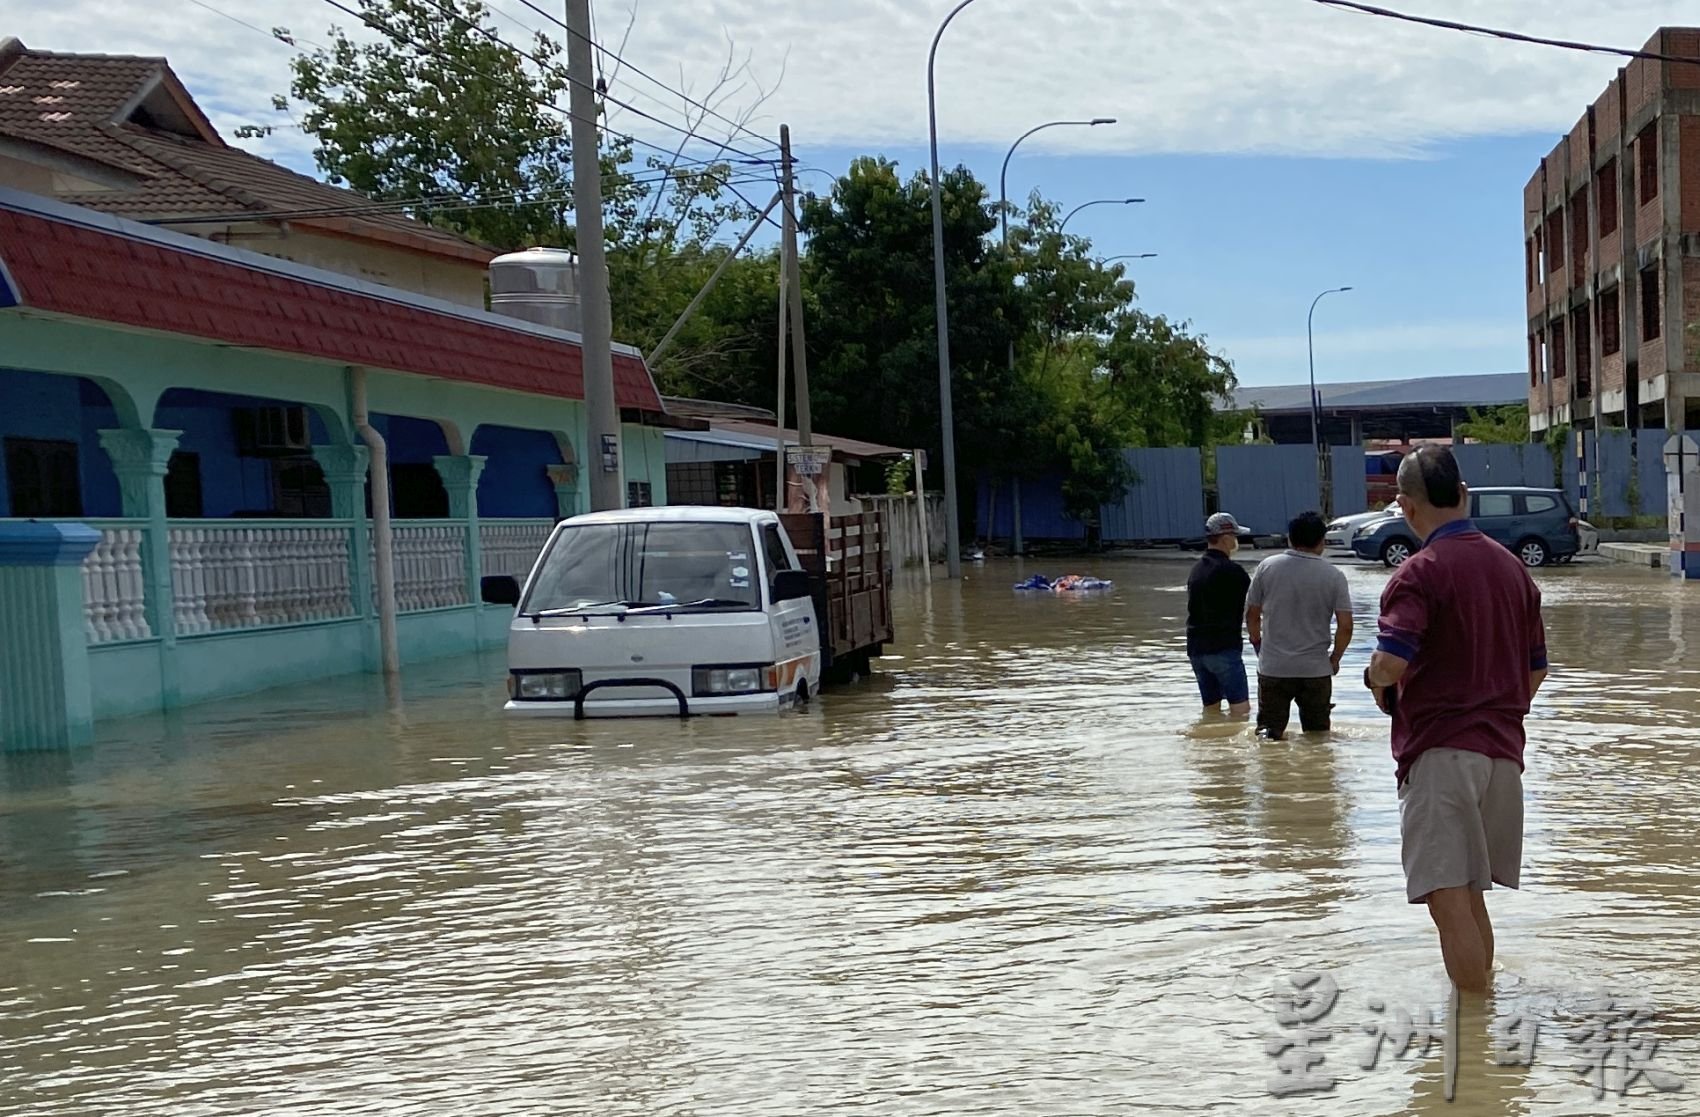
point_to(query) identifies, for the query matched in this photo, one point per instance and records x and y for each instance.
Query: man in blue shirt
(1215, 609)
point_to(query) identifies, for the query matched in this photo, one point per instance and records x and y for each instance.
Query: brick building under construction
(1612, 253)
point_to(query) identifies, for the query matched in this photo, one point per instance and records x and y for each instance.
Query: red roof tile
(106, 276)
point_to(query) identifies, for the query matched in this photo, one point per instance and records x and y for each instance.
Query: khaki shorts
(1460, 822)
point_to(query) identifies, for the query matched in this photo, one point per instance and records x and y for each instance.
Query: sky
(1283, 147)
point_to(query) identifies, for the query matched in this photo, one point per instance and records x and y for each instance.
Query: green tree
(873, 366)
(440, 106)
(1508, 424)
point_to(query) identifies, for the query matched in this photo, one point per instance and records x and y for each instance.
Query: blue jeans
(1221, 678)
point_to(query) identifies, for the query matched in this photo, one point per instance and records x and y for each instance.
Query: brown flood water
(1013, 874)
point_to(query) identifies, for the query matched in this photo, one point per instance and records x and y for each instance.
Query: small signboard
(921, 460)
(808, 461)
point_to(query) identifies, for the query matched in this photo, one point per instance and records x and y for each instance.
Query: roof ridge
(31, 52)
(127, 133)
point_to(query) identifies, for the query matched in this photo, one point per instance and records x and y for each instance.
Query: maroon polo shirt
(1466, 616)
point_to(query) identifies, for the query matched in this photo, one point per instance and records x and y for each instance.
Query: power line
(1496, 33)
(424, 48)
(643, 93)
(442, 203)
(548, 15)
(238, 20)
(562, 72)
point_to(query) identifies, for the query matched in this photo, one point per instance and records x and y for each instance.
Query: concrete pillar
(140, 458)
(1357, 435)
(460, 473)
(45, 696)
(565, 480)
(345, 469)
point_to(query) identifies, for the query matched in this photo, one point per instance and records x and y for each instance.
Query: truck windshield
(702, 566)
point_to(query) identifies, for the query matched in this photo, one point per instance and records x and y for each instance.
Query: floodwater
(1012, 874)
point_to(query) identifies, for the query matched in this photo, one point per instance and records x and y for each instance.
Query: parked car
(1343, 529)
(1537, 525)
(1381, 475)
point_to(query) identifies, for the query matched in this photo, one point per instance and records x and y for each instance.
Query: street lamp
(1129, 256)
(1099, 202)
(952, 540)
(1315, 410)
(1003, 175)
(1015, 541)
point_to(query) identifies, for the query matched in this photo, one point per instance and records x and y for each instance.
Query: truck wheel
(1394, 552)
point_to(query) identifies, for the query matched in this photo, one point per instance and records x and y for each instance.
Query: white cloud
(1436, 337)
(1183, 76)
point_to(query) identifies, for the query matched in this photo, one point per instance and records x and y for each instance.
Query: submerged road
(1013, 874)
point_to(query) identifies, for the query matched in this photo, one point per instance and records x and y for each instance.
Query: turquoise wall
(69, 380)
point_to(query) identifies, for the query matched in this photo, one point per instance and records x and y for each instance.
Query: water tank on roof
(538, 285)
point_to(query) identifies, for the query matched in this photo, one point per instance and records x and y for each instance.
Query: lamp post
(952, 537)
(1098, 202)
(1015, 540)
(1129, 256)
(1315, 410)
(1003, 175)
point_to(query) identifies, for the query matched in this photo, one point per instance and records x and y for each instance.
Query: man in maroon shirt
(1462, 651)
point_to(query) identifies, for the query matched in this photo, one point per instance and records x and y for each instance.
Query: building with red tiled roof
(123, 136)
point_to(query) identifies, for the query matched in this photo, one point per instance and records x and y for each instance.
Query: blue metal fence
(1265, 486)
(1165, 502)
(1524, 464)
(1350, 484)
(1041, 511)
(1650, 471)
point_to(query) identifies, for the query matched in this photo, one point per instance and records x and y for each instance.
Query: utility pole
(799, 353)
(607, 476)
(779, 415)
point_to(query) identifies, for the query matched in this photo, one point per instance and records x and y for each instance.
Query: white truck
(675, 611)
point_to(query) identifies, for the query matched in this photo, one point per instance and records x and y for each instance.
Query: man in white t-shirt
(1293, 598)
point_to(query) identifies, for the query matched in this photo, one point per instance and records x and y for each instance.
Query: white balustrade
(512, 546)
(230, 575)
(114, 590)
(430, 564)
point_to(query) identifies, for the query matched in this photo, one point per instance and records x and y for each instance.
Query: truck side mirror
(499, 589)
(789, 585)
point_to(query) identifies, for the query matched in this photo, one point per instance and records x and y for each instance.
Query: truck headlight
(544, 686)
(707, 682)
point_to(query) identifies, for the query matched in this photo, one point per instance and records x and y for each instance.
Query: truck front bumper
(609, 706)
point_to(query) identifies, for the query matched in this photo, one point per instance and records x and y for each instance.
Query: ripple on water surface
(1014, 873)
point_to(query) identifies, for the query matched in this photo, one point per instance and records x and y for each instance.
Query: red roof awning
(108, 270)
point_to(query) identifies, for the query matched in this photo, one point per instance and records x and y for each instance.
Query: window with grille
(183, 486)
(42, 478)
(416, 492)
(1611, 324)
(639, 494)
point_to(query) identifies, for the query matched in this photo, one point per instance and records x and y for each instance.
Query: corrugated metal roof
(760, 436)
(1481, 390)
